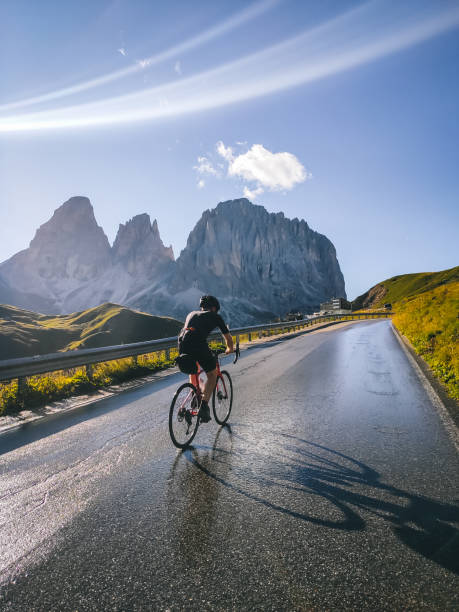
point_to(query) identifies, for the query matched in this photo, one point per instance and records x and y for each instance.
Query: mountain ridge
(24, 333)
(260, 264)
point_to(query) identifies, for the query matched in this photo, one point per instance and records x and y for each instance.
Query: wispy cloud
(225, 152)
(123, 51)
(205, 166)
(251, 12)
(371, 31)
(201, 183)
(178, 67)
(252, 194)
(143, 63)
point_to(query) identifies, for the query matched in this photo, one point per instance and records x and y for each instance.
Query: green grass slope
(24, 333)
(403, 286)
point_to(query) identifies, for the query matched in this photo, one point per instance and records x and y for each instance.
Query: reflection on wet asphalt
(334, 487)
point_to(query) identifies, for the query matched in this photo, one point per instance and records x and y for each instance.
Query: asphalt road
(334, 488)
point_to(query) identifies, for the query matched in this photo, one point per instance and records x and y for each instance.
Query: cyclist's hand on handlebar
(228, 351)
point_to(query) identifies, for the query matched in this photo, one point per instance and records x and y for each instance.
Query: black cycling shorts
(202, 354)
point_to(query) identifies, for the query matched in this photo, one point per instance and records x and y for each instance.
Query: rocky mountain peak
(241, 250)
(138, 246)
(74, 216)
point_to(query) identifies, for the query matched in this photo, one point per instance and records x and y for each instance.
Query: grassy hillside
(404, 286)
(24, 333)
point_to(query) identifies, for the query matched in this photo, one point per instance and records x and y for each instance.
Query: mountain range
(259, 264)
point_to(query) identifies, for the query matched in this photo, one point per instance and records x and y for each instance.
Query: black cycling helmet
(209, 301)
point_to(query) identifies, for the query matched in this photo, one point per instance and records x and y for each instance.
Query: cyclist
(193, 341)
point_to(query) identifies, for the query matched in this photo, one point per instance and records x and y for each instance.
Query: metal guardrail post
(89, 368)
(168, 354)
(22, 385)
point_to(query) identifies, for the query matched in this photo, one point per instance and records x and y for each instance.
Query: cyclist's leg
(208, 363)
(196, 382)
(210, 384)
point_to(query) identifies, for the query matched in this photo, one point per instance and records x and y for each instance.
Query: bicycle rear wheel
(183, 415)
(222, 398)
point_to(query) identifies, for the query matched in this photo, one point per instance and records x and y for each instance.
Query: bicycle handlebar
(236, 351)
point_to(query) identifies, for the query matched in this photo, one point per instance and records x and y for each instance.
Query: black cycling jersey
(199, 324)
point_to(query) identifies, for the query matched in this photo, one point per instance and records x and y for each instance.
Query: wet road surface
(335, 487)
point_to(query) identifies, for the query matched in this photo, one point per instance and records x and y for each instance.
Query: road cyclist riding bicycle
(193, 347)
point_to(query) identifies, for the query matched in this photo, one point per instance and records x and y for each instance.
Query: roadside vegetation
(42, 389)
(430, 322)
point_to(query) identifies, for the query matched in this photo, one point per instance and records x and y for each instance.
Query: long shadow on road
(299, 469)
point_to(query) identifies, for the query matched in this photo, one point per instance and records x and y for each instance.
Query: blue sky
(126, 102)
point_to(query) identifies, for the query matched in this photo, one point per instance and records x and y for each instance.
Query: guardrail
(41, 364)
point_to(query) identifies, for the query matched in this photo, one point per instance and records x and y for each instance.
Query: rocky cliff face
(259, 264)
(259, 261)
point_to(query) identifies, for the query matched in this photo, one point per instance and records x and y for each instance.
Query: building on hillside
(294, 316)
(336, 306)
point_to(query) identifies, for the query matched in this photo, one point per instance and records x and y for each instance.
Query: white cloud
(258, 168)
(178, 67)
(123, 51)
(225, 152)
(273, 171)
(205, 167)
(252, 194)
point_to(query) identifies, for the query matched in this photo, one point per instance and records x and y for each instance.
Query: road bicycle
(184, 417)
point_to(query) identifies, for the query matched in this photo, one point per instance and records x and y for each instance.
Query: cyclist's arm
(229, 343)
(220, 323)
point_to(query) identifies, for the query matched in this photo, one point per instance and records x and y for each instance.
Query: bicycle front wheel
(183, 415)
(222, 399)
